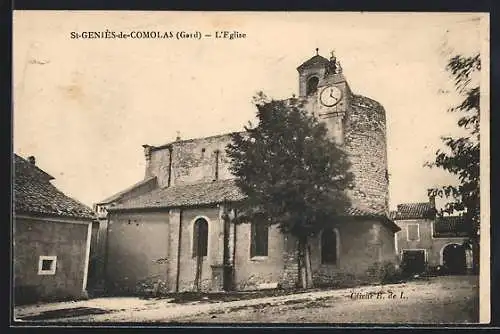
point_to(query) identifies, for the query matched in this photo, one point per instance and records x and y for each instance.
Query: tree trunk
(302, 267)
(475, 256)
(305, 271)
(308, 264)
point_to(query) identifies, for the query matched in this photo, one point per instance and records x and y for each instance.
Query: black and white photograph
(209, 168)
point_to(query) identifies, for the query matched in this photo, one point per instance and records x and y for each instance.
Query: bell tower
(323, 85)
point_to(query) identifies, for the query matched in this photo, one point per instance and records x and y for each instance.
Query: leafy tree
(461, 156)
(292, 173)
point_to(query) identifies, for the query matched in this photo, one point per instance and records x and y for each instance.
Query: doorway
(413, 261)
(200, 249)
(454, 259)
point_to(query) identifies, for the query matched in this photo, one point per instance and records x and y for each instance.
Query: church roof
(34, 194)
(185, 195)
(316, 61)
(120, 194)
(209, 193)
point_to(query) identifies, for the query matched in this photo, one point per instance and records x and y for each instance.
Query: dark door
(454, 259)
(200, 247)
(413, 261)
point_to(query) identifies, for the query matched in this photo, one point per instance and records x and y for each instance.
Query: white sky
(85, 107)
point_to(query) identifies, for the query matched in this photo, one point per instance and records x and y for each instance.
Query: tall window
(413, 232)
(312, 85)
(200, 237)
(329, 247)
(259, 239)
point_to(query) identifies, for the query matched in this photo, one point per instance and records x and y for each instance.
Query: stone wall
(364, 245)
(137, 251)
(257, 272)
(433, 246)
(34, 238)
(193, 161)
(187, 263)
(365, 142)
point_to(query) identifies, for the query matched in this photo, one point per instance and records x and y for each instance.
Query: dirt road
(452, 299)
(439, 300)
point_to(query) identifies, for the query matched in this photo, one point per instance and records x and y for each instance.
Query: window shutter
(413, 232)
(264, 239)
(253, 237)
(200, 238)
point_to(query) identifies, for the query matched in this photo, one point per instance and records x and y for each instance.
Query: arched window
(312, 85)
(329, 246)
(259, 239)
(200, 237)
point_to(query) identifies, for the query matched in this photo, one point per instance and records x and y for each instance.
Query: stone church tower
(174, 230)
(355, 122)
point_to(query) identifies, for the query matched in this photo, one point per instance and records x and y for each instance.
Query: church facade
(174, 230)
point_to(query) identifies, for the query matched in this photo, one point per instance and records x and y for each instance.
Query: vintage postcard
(250, 167)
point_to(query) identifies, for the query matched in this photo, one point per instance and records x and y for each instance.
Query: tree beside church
(183, 232)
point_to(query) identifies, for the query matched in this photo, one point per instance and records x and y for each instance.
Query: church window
(312, 85)
(216, 167)
(329, 246)
(200, 237)
(259, 239)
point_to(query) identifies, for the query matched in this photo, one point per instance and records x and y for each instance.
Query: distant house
(52, 238)
(428, 240)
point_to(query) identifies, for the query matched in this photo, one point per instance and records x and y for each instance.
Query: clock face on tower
(330, 96)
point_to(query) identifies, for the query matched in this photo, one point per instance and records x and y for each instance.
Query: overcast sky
(84, 108)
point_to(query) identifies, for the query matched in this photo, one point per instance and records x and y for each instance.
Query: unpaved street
(452, 299)
(440, 300)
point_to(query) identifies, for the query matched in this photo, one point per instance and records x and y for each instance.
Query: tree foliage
(292, 173)
(461, 156)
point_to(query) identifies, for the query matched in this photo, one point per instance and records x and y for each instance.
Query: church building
(174, 231)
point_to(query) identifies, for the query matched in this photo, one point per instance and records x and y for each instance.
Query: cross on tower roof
(317, 51)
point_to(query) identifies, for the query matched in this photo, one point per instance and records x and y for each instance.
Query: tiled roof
(413, 211)
(34, 194)
(127, 190)
(314, 61)
(185, 195)
(208, 193)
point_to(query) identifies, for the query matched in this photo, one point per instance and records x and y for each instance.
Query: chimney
(147, 155)
(31, 160)
(432, 200)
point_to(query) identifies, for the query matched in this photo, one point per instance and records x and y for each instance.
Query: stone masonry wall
(193, 161)
(365, 142)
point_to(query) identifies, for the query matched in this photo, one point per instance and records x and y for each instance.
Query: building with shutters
(174, 230)
(430, 240)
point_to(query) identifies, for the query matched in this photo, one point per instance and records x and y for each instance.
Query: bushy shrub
(389, 273)
(431, 271)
